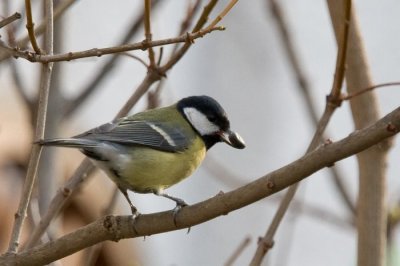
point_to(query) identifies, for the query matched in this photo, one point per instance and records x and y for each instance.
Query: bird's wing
(157, 135)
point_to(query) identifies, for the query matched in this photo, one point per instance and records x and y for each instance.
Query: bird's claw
(135, 217)
(179, 206)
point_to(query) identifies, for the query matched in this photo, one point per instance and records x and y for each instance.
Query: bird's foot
(179, 205)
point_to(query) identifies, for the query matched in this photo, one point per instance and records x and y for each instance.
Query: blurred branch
(30, 26)
(239, 250)
(29, 103)
(10, 19)
(175, 57)
(372, 163)
(106, 68)
(266, 243)
(94, 251)
(120, 227)
(191, 11)
(147, 31)
(39, 134)
(85, 169)
(303, 84)
(97, 52)
(221, 15)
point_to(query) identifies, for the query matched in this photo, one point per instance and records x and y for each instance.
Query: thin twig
(10, 19)
(341, 57)
(239, 250)
(185, 25)
(147, 31)
(97, 52)
(137, 58)
(266, 243)
(39, 134)
(191, 10)
(175, 57)
(73, 105)
(30, 26)
(222, 14)
(359, 92)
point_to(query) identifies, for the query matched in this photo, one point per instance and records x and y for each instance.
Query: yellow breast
(151, 170)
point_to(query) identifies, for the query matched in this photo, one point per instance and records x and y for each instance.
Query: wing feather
(157, 135)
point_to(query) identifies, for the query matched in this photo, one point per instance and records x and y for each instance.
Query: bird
(152, 150)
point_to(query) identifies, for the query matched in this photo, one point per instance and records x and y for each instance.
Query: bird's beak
(233, 139)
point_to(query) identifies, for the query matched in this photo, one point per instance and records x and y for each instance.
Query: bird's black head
(209, 120)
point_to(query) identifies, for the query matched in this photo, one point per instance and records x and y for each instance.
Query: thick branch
(120, 227)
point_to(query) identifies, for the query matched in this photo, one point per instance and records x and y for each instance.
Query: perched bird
(155, 149)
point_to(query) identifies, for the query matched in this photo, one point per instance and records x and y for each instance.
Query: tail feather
(69, 143)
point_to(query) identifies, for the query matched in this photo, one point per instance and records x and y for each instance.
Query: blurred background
(247, 70)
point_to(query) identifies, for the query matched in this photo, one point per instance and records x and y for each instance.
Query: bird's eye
(212, 118)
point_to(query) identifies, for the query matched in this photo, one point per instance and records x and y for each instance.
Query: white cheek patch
(167, 137)
(199, 121)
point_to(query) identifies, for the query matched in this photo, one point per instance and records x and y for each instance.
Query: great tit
(155, 149)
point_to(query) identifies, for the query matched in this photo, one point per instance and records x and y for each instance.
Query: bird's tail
(69, 143)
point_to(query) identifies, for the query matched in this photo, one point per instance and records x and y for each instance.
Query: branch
(106, 69)
(239, 250)
(303, 84)
(85, 168)
(229, 179)
(120, 227)
(222, 14)
(104, 51)
(10, 19)
(175, 57)
(147, 31)
(15, 73)
(372, 164)
(356, 93)
(39, 134)
(266, 243)
(30, 26)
